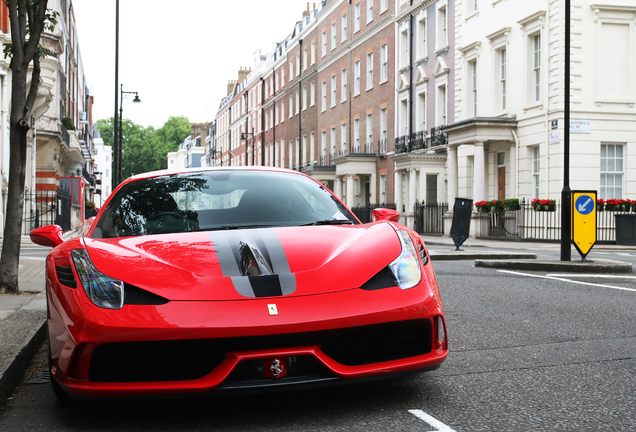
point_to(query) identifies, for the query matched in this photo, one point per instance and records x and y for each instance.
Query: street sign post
(583, 221)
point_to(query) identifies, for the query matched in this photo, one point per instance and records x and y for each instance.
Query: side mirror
(386, 214)
(49, 235)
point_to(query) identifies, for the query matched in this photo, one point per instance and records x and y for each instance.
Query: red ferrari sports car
(232, 279)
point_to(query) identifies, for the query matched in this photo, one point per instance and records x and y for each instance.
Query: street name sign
(583, 221)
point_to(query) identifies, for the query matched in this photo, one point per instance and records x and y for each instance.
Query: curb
(25, 330)
(457, 256)
(559, 266)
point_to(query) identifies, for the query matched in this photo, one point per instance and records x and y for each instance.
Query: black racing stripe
(266, 286)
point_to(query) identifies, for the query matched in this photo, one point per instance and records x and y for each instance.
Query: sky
(178, 55)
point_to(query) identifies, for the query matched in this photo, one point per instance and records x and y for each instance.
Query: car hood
(248, 263)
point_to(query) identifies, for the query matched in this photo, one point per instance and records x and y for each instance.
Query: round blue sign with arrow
(584, 204)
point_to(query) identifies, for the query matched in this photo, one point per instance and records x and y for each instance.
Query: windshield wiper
(234, 227)
(329, 222)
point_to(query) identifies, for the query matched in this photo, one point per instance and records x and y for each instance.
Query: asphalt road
(529, 351)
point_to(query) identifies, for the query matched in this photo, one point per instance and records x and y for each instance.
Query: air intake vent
(65, 276)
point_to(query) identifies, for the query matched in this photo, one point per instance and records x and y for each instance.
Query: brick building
(321, 101)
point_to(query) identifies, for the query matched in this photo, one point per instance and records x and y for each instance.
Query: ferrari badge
(272, 309)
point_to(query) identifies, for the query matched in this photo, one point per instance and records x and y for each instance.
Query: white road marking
(616, 253)
(567, 280)
(438, 425)
(592, 276)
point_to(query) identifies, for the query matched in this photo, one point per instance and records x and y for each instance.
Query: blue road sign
(584, 204)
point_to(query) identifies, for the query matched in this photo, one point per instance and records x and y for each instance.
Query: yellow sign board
(583, 221)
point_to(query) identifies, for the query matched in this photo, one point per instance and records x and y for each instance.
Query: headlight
(406, 267)
(102, 290)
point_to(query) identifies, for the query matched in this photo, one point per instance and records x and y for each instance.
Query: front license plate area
(275, 367)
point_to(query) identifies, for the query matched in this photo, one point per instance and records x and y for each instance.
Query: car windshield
(216, 200)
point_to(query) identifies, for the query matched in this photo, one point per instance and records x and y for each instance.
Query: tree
(28, 19)
(146, 149)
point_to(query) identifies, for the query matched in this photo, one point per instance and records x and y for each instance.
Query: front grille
(154, 361)
(192, 359)
(380, 343)
(65, 276)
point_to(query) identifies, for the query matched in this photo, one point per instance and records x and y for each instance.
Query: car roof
(166, 172)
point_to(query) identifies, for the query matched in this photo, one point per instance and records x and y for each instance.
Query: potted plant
(511, 204)
(67, 122)
(600, 205)
(543, 205)
(482, 206)
(496, 205)
(614, 204)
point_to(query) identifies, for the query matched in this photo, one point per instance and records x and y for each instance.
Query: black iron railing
(530, 224)
(65, 137)
(46, 208)
(438, 137)
(402, 144)
(429, 217)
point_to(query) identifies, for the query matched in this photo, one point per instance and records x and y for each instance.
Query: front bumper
(195, 347)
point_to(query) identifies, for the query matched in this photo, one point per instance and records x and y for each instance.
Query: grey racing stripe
(280, 264)
(223, 245)
(224, 254)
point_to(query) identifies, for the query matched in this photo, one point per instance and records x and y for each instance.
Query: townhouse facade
(425, 81)
(416, 102)
(321, 101)
(60, 141)
(507, 140)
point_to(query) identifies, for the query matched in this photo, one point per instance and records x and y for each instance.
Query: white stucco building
(507, 138)
(103, 156)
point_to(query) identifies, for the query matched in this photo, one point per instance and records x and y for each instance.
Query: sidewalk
(22, 325)
(23, 317)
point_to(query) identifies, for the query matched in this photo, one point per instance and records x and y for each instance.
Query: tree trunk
(10, 261)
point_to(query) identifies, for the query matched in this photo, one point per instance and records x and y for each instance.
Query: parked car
(233, 279)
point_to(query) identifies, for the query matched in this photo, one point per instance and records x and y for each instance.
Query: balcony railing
(356, 148)
(384, 146)
(401, 144)
(417, 141)
(438, 137)
(369, 148)
(66, 137)
(409, 143)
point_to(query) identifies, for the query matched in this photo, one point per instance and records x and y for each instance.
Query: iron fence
(365, 214)
(429, 217)
(46, 208)
(528, 224)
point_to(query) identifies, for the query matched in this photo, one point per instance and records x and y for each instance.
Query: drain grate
(40, 377)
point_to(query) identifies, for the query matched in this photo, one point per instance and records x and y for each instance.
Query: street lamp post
(246, 136)
(122, 94)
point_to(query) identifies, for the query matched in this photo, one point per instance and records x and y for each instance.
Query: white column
(351, 191)
(479, 189)
(513, 171)
(338, 187)
(372, 185)
(452, 176)
(398, 190)
(410, 206)
(412, 188)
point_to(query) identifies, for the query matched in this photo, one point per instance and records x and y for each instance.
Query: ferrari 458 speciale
(222, 279)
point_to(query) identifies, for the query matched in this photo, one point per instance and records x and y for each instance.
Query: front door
(501, 182)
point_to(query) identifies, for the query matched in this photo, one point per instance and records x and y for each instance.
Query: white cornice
(414, 10)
